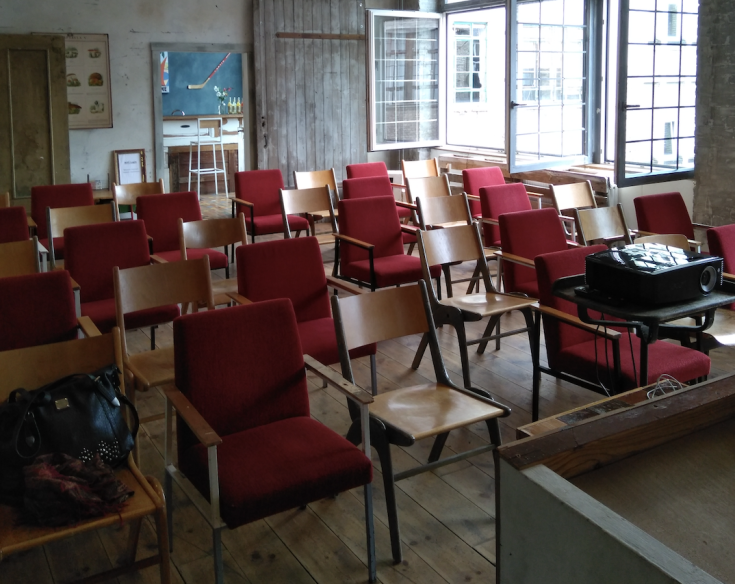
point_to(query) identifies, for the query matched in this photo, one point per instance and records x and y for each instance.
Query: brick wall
(714, 194)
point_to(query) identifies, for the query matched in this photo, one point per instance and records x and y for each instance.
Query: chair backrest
(668, 239)
(366, 169)
(310, 179)
(602, 225)
(499, 199)
(370, 186)
(438, 210)
(663, 213)
(486, 176)
(208, 233)
(528, 234)
(373, 220)
(306, 200)
(721, 242)
(257, 377)
(18, 258)
(13, 224)
(420, 168)
(262, 188)
(35, 366)
(91, 251)
(56, 196)
(550, 267)
(58, 220)
(157, 285)
(209, 130)
(428, 186)
(126, 194)
(36, 309)
(573, 196)
(161, 214)
(285, 268)
(4, 200)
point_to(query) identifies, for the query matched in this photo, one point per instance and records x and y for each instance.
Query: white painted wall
(132, 25)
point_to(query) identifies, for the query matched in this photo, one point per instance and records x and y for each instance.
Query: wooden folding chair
(125, 195)
(59, 219)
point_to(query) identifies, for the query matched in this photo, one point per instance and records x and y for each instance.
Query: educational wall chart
(88, 81)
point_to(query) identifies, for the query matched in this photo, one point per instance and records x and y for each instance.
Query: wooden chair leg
(169, 498)
(447, 279)
(153, 337)
(162, 524)
(133, 537)
(492, 323)
(535, 358)
(436, 449)
(420, 351)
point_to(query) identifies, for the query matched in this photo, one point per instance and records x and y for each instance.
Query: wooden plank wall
(310, 84)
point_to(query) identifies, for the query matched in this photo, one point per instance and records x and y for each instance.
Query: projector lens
(708, 279)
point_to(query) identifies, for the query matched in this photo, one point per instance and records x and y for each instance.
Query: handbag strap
(118, 395)
(29, 399)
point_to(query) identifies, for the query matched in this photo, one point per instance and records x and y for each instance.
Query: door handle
(515, 104)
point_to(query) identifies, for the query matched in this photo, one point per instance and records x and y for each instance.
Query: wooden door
(310, 84)
(34, 123)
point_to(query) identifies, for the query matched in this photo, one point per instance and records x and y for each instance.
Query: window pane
(574, 12)
(668, 25)
(640, 60)
(686, 122)
(638, 124)
(688, 92)
(640, 91)
(667, 60)
(573, 143)
(641, 27)
(552, 12)
(642, 4)
(689, 29)
(638, 158)
(550, 119)
(689, 61)
(666, 92)
(527, 120)
(529, 12)
(665, 123)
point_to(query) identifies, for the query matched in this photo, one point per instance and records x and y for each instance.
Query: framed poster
(88, 81)
(129, 166)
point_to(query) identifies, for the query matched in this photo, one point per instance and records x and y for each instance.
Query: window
(469, 60)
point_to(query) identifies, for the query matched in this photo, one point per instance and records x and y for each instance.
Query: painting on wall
(164, 72)
(88, 81)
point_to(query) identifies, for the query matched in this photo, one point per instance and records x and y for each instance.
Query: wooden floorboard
(447, 517)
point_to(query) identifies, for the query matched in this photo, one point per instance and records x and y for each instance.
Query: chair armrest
(472, 197)
(337, 381)
(534, 195)
(515, 259)
(202, 430)
(74, 284)
(728, 277)
(701, 226)
(89, 329)
(353, 241)
(246, 203)
(158, 259)
(575, 322)
(410, 229)
(487, 221)
(240, 299)
(573, 244)
(411, 206)
(333, 282)
(31, 223)
(398, 185)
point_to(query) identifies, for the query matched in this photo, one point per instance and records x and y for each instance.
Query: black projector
(653, 274)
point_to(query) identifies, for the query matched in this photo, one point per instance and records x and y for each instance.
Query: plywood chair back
(459, 243)
(668, 239)
(420, 168)
(125, 195)
(4, 200)
(34, 367)
(428, 186)
(602, 225)
(439, 211)
(208, 233)
(309, 201)
(315, 178)
(59, 219)
(573, 196)
(19, 258)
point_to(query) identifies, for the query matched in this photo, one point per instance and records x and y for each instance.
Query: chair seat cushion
(680, 362)
(390, 270)
(102, 313)
(403, 212)
(265, 224)
(319, 340)
(217, 259)
(278, 466)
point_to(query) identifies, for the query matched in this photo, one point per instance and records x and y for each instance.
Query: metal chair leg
(217, 553)
(169, 494)
(382, 446)
(374, 374)
(370, 531)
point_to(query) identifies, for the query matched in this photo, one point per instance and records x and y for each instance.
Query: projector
(652, 273)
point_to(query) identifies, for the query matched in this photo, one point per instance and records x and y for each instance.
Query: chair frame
(403, 313)
(37, 366)
(570, 196)
(420, 168)
(4, 200)
(60, 218)
(126, 195)
(309, 201)
(592, 225)
(216, 123)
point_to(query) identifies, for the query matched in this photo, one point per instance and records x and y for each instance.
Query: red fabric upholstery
(56, 197)
(365, 169)
(251, 389)
(13, 224)
(528, 234)
(721, 242)
(261, 187)
(374, 220)
(161, 215)
(36, 309)
(293, 269)
(663, 213)
(374, 186)
(573, 351)
(59, 247)
(496, 200)
(92, 252)
(476, 178)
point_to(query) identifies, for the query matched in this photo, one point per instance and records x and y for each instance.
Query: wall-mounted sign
(88, 81)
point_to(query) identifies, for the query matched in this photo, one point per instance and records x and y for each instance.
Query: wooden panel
(310, 85)
(33, 119)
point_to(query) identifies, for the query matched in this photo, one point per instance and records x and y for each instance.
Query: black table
(648, 321)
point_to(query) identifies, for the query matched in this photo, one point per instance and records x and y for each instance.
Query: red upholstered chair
(370, 169)
(293, 269)
(474, 179)
(370, 250)
(92, 252)
(161, 214)
(578, 352)
(57, 196)
(721, 242)
(13, 224)
(244, 435)
(499, 199)
(523, 236)
(257, 195)
(665, 213)
(38, 309)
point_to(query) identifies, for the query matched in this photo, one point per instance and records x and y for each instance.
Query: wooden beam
(320, 36)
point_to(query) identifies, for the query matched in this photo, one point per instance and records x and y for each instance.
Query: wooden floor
(446, 517)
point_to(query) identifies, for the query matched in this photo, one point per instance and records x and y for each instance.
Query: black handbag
(80, 415)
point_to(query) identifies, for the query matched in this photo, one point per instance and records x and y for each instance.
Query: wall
(714, 157)
(131, 25)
